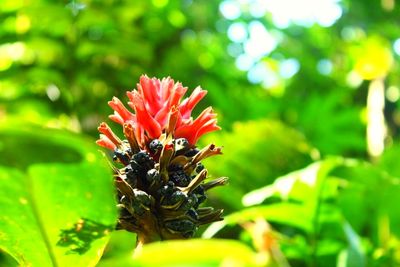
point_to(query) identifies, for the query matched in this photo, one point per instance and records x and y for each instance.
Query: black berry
(155, 146)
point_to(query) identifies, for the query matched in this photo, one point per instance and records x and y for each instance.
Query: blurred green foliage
(287, 103)
(285, 152)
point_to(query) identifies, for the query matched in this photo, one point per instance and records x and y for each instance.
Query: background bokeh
(306, 92)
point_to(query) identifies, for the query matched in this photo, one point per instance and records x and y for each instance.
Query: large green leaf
(303, 185)
(58, 210)
(121, 243)
(294, 215)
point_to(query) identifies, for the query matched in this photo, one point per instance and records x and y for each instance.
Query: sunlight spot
(177, 18)
(281, 22)
(12, 5)
(257, 8)
(22, 24)
(271, 79)
(23, 201)
(289, 67)
(353, 79)
(375, 59)
(261, 42)
(329, 15)
(301, 12)
(352, 33)
(28, 57)
(235, 49)
(53, 92)
(309, 175)
(237, 32)
(5, 62)
(90, 157)
(258, 196)
(230, 9)
(10, 52)
(315, 154)
(159, 3)
(100, 252)
(393, 93)
(15, 50)
(388, 5)
(284, 185)
(396, 46)
(244, 62)
(324, 66)
(258, 73)
(79, 225)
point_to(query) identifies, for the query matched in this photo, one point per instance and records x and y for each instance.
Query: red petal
(177, 93)
(116, 118)
(170, 96)
(105, 142)
(162, 115)
(143, 117)
(189, 103)
(106, 130)
(121, 110)
(149, 91)
(173, 118)
(204, 117)
(192, 130)
(129, 132)
(206, 128)
(166, 87)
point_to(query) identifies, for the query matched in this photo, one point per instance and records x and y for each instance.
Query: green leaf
(57, 211)
(194, 252)
(301, 185)
(294, 215)
(121, 244)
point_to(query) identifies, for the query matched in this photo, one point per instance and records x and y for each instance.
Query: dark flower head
(160, 179)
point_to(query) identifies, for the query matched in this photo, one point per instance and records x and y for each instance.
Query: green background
(294, 127)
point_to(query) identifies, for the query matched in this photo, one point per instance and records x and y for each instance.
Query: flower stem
(143, 238)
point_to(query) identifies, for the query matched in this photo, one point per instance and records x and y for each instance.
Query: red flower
(158, 109)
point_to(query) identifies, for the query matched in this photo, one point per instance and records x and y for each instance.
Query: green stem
(143, 239)
(149, 233)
